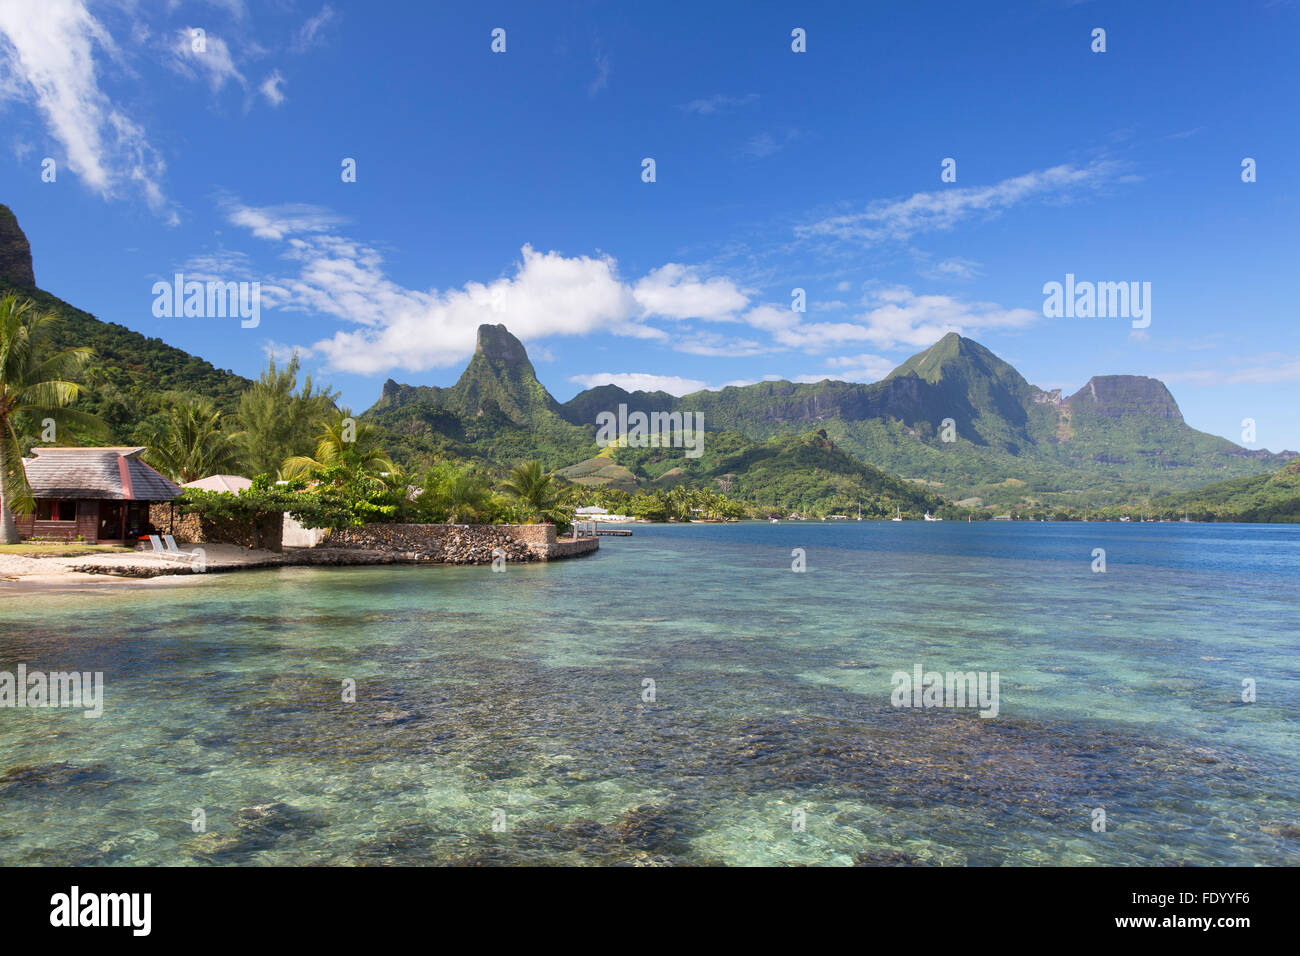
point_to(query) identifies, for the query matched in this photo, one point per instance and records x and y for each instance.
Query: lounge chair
(175, 552)
(168, 552)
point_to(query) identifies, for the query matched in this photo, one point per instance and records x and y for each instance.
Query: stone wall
(264, 533)
(461, 544)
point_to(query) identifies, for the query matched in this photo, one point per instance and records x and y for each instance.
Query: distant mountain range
(1118, 439)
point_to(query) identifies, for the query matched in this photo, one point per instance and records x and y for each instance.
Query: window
(51, 509)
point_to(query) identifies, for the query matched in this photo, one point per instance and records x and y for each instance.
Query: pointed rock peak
(15, 253)
(496, 344)
(954, 353)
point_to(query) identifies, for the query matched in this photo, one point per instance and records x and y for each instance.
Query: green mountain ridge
(129, 371)
(1274, 497)
(1119, 438)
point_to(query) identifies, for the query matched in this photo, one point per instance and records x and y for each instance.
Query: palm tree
(36, 384)
(463, 493)
(190, 444)
(344, 442)
(538, 492)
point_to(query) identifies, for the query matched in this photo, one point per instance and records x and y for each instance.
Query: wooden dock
(590, 529)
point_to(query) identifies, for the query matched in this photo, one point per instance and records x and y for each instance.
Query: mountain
(497, 411)
(15, 252)
(805, 472)
(1115, 396)
(1273, 497)
(1120, 437)
(129, 370)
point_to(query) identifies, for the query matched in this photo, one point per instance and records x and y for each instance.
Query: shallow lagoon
(521, 692)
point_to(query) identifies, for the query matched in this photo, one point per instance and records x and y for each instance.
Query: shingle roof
(114, 473)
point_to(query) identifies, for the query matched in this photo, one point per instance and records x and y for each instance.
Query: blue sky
(508, 187)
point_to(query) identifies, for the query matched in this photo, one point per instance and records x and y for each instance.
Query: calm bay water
(522, 693)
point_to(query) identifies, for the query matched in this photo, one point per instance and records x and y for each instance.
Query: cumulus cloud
(899, 317)
(861, 368)
(547, 294)
(50, 60)
(641, 382)
(894, 317)
(678, 292)
(897, 220)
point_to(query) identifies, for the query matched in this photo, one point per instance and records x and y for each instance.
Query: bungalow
(100, 495)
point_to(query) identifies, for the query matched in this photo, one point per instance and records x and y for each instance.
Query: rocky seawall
(372, 544)
(460, 544)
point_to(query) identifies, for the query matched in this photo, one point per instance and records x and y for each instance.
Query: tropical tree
(37, 384)
(453, 493)
(346, 443)
(279, 420)
(538, 492)
(189, 443)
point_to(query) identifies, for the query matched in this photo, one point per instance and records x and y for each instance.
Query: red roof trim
(124, 469)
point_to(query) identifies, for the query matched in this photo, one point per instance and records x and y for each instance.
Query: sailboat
(930, 517)
(859, 510)
(899, 516)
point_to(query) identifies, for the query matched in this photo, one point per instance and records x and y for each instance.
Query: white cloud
(957, 267)
(278, 222)
(899, 219)
(224, 265)
(787, 328)
(309, 34)
(549, 294)
(641, 382)
(898, 317)
(861, 368)
(712, 344)
(895, 317)
(213, 62)
(1267, 369)
(677, 291)
(742, 382)
(270, 88)
(235, 8)
(765, 144)
(49, 60)
(717, 103)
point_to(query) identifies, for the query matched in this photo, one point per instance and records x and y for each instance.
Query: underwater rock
(885, 858)
(18, 779)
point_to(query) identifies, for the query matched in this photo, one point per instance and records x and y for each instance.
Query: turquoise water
(521, 692)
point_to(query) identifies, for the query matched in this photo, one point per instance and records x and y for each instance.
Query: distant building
(233, 484)
(100, 495)
(589, 512)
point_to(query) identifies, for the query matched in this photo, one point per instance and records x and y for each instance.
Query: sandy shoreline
(20, 574)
